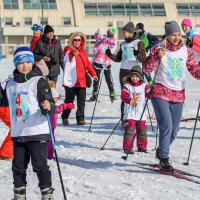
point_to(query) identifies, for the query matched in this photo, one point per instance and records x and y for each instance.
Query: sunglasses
(76, 40)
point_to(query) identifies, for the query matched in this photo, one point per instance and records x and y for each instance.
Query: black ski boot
(112, 97)
(93, 97)
(19, 193)
(165, 165)
(142, 150)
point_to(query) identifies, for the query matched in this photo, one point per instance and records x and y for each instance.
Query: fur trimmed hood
(74, 35)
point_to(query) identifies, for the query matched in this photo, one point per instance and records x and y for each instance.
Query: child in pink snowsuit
(133, 95)
(54, 118)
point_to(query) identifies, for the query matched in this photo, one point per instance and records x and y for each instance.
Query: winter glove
(68, 106)
(135, 52)
(108, 52)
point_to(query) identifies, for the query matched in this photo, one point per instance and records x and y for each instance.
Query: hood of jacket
(74, 35)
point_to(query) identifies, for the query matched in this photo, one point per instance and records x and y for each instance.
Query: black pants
(37, 152)
(70, 94)
(122, 74)
(107, 73)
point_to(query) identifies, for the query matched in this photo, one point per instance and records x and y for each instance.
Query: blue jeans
(168, 115)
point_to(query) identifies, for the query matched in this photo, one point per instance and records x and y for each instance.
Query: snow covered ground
(91, 174)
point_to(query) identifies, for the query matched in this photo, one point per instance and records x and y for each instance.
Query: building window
(104, 9)
(8, 21)
(67, 21)
(188, 9)
(158, 9)
(39, 4)
(132, 8)
(145, 9)
(10, 4)
(45, 21)
(118, 9)
(27, 21)
(183, 9)
(91, 9)
(124, 9)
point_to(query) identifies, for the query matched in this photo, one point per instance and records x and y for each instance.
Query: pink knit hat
(187, 22)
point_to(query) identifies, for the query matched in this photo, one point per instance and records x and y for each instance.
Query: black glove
(108, 52)
(135, 52)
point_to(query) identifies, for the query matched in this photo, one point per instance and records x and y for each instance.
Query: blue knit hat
(23, 54)
(37, 27)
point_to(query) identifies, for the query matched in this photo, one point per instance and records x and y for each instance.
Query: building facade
(66, 16)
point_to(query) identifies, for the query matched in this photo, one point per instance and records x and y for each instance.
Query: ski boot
(112, 97)
(47, 193)
(142, 150)
(165, 165)
(93, 97)
(126, 151)
(19, 193)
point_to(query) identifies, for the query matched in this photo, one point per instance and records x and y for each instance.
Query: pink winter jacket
(54, 118)
(125, 96)
(161, 91)
(102, 44)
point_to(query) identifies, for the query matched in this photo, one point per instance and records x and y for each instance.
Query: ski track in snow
(89, 173)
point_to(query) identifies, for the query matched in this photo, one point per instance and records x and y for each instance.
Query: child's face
(25, 67)
(186, 28)
(135, 78)
(126, 34)
(36, 33)
(55, 100)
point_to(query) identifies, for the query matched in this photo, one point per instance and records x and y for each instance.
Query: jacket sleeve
(38, 51)
(192, 65)
(3, 97)
(152, 61)
(44, 93)
(118, 57)
(153, 40)
(141, 52)
(89, 66)
(125, 95)
(61, 57)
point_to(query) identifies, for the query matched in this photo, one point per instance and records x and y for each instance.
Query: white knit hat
(55, 93)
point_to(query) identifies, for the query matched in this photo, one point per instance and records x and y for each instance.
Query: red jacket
(161, 91)
(82, 64)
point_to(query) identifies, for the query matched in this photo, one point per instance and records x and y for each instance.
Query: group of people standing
(28, 97)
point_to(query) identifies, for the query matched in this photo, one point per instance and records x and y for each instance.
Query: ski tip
(124, 158)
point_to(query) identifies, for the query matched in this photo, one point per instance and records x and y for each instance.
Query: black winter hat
(129, 27)
(48, 29)
(137, 70)
(140, 26)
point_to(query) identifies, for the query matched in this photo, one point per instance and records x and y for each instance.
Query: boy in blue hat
(29, 97)
(37, 31)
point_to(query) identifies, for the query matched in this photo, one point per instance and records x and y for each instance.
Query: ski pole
(101, 77)
(102, 148)
(57, 162)
(187, 163)
(150, 118)
(126, 157)
(156, 139)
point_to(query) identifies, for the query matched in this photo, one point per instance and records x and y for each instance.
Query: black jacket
(51, 48)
